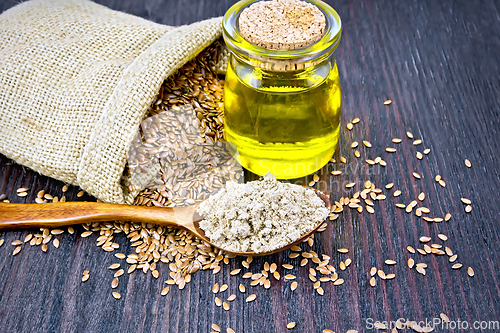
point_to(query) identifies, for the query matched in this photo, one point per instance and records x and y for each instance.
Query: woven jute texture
(76, 80)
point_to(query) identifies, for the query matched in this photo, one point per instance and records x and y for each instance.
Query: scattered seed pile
(189, 169)
(185, 178)
(260, 216)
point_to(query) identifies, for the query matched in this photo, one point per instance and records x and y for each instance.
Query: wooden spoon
(49, 215)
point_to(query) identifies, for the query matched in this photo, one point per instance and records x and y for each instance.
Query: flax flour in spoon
(260, 216)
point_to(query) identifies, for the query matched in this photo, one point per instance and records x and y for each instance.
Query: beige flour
(260, 216)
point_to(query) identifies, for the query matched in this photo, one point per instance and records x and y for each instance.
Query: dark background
(438, 61)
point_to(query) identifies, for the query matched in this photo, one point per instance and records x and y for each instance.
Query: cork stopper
(282, 24)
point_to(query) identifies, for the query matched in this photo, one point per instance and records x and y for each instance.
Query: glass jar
(282, 107)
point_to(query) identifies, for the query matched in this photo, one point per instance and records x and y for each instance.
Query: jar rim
(320, 49)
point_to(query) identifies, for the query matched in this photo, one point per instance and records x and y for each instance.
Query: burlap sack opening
(76, 79)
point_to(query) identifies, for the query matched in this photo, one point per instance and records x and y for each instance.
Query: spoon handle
(13, 216)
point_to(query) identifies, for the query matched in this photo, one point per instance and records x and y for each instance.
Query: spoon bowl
(49, 215)
(201, 234)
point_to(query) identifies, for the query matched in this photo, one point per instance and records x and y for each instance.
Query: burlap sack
(76, 79)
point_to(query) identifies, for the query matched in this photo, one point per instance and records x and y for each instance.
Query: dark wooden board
(438, 61)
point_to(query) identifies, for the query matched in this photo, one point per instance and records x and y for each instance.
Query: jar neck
(282, 60)
(264, 78)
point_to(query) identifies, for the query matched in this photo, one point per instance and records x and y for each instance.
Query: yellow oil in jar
(286, 123)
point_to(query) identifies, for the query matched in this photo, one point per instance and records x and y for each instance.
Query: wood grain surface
(439, 63)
